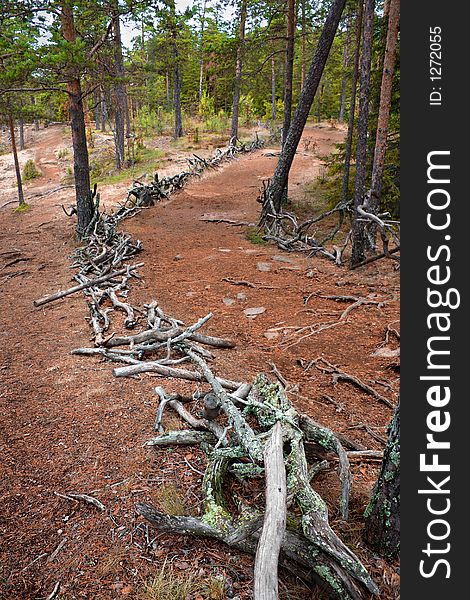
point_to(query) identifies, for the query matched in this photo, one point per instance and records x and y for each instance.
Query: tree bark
(121, 109)
(303, 49)
(81, 167)
(15, 158)
(346, 65)
(177, 97)
(104, 109)
(358, 234)
(289, 69)
(177, 80)
(281, 175)
(21, 130)
(97, 108)
(273, 90)
(352, 105)
(238, 74)
(201, 49)
(270, 542)
(385, 103)
(382, 525)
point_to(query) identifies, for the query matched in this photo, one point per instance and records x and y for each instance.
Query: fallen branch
(372, 259)
(165, 371)
(339, 375)
(88, 499)
(84, 286)
(269, 545)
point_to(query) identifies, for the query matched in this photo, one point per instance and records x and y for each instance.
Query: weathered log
(165, 371)
(382, 526)
(314, 511)
(182, 437)
(325, 438)
(242, 431)
(83, 286)
(130, 321)
(163, 335)
(295, 551)
(211, 406)
(269, 545)
(314, 520)
(198, 424)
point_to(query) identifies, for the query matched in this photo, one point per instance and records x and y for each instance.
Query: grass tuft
(170, 584)
(255, 235)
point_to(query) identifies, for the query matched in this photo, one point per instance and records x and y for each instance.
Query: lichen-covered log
(297, 555)
(325, 438)
(181, 437)
(163, 335)
(382, 527)
(273, 395)
(267, 553)
(314, 551)
(242, 431)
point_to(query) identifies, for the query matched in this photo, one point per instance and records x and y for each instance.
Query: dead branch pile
(247, 431)
(142, 194)
(236, 430)
(284, 229)
(102, 275)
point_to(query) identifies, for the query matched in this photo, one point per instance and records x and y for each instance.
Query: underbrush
(172, 584)
(30, 171)
(146, 160)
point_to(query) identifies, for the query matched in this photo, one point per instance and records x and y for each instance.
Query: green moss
(255, 235)
(325, 573)
(22, 208)
(216, 516)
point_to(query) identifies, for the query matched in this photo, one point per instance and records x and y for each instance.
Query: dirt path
(68, 425)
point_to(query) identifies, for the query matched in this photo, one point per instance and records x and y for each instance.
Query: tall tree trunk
(15, 158)
(289, 70)
(382, 523)
(303, 48)
(121, 108)
(352, 105)
(273, 90)
(201, 50)
(358, 232)
(177, 79)
(237, 84)
(81, 167)
(167, 89)
(385, 103)
(344, 77)
(21, 130)
(97, 108)
(104, 108)
(374, 102)
(177, 97)
(319, 96)
(281, 175)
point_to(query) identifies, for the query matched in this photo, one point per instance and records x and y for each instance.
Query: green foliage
(255, 235)
(206, 106)
(217, 123)
(247, 108)
(30, 171)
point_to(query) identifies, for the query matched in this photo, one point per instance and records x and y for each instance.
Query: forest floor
(68, 425)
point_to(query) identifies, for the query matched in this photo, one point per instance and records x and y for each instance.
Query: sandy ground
(69, 425)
